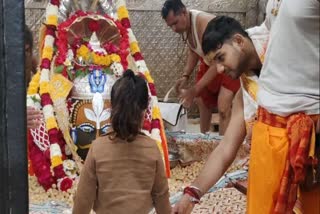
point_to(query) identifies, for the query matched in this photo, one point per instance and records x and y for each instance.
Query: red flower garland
(138, 56)
(94, 26)
(155, 124)
(40, 164)
(126, 23)
(62, 45)
(152, 89)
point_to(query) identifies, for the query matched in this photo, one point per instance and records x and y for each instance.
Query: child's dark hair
(218, 30)
(129, 98)
(175, 5)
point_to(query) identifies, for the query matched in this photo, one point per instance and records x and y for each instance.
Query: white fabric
(198, 46)
(250, 105)
(259, 36)
(270, 18)
(289, 80)
(174, 114)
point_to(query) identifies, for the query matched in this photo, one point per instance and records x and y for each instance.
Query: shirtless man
(219, 92)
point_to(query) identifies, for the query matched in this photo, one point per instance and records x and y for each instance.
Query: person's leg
(207, 98)
(225, 98)
(205, 115)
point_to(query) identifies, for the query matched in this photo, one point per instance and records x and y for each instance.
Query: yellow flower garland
(56, 161)
(47, 52)
(104, 60)
(156, 113)
(44, 88)
(51, 123)
(34, 84)
(52, 20)
(148, 77)
(115, 58)
(134, 47)
(122, 12)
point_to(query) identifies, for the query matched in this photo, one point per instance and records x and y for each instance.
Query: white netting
(41, 137)
(148, 114)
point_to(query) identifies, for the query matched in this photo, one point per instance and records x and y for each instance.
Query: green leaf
(78, 73)
(35, 99)
(81, 73)
(86, 72)
(70, 74)
(107, 71)
(59, 69)
(86, 39)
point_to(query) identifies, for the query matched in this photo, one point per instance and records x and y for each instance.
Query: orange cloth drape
(270, 180)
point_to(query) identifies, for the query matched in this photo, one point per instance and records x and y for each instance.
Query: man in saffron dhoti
(283, 161)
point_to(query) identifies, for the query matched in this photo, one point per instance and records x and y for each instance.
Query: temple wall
(164, 51)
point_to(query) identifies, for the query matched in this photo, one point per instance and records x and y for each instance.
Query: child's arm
(160, 190)
(87, 187)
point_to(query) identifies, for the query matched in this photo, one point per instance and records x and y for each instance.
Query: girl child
(124, 171)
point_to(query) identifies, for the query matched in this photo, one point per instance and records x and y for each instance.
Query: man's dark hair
(218, 30)
(129, 98)
(28, 38)
(175, 5)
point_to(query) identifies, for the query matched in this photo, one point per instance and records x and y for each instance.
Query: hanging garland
(155, 126)
(56, 140)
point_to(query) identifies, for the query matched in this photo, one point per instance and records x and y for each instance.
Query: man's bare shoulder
(203, 19)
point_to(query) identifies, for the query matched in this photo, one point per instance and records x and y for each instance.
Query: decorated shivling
(84, 48)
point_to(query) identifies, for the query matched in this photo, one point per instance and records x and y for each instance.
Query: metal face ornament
(90, 119)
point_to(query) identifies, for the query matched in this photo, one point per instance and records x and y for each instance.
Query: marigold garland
(34, 84)
(122, 12)
(46, 102)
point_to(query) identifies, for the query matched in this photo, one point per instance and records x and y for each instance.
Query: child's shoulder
(144, 139)
(140, 138)
(101, 141)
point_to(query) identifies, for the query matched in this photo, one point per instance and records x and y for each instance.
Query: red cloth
(210, 94)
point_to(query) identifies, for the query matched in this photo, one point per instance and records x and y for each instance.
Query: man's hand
(184, 206)
(34, 117)
(187, 96)
(181, 83)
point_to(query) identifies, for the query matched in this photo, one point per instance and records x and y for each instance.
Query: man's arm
(187, 96)
(221, 158)
(207, 78)
(192, 60)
